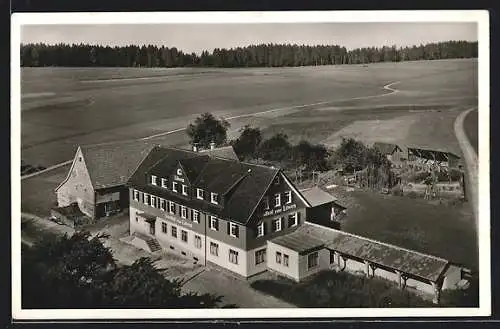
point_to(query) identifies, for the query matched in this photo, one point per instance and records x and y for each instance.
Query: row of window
(277, 224)
(178, 187)
(233, 254)
(312, 259)
(162, 204)
(171, 207)
(184, 234)
(277, 200)
(282, 258)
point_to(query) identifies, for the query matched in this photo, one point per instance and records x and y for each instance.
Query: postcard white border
(481, 17)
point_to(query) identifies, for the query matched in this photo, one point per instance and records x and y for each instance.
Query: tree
(247, 144)
(276, 148)
(351, 154)
(312, 157)
(80, 272)
(207, 129)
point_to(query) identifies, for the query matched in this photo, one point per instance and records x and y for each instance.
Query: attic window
(80, 159)
(163, 183)
(174, 186)
(213, 198)
(184, 189)
(288, 197)
(153, 179)
(265, 200)
(277, 199)
(277, 180)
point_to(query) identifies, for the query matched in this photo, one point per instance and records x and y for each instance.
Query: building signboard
(276, 211)
(178, 221)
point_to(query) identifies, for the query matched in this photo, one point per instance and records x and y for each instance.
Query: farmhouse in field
(95, 183)
(248, 218)
(392, 151)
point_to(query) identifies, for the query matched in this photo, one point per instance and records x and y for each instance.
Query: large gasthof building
(248, 218)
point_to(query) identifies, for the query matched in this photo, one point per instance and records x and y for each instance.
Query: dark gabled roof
(227, 173)
(317, 196)
(112, 164)
(385, 148)
(193, 166)
(226, 152)
(311, 236)
(241, 184)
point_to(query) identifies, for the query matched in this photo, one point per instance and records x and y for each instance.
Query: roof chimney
(195, 147)
(212, 145)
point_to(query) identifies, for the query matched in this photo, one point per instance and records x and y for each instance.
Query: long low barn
(313, 248)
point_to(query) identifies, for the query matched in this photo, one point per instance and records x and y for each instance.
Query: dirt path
(471, 161)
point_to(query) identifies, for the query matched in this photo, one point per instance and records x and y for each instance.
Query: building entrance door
(152, 228)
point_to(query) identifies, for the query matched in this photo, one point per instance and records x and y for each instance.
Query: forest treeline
(263, 55)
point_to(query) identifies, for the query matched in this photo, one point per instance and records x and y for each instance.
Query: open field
(437, 229)
(64, 107)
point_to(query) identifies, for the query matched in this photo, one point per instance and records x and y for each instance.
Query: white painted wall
(323, 264)
(166, 239)
(223, 258)
(452, 277)
(253, 268)
(292, 270)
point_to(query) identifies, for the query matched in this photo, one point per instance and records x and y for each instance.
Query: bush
(397, 191)
(340, 289)
(412, 194)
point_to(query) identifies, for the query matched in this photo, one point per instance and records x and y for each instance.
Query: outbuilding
(313, 248)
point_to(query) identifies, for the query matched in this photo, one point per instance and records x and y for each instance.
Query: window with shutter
(233, 230)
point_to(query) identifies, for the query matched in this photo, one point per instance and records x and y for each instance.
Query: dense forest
(263, 55)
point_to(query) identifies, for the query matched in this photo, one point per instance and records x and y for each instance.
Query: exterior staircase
(153, 244)
(148, 243)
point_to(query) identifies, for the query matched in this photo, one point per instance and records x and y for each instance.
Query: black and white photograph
(249, 164)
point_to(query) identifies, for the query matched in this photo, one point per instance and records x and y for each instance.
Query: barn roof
(112, 164)
(311, 236)
(385, 148)
(241, 184)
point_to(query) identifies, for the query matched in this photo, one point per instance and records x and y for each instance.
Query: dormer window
(162, 204)
(174, 186)
(265, 200)
(171, 207)
(153, 179)
(164, 183)
(152, 202)
(183, 212)
(146, 199)
(277, 200)
(213, 198)
(184, 189)
(136, 195)
(288, 197)
(199, 194)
